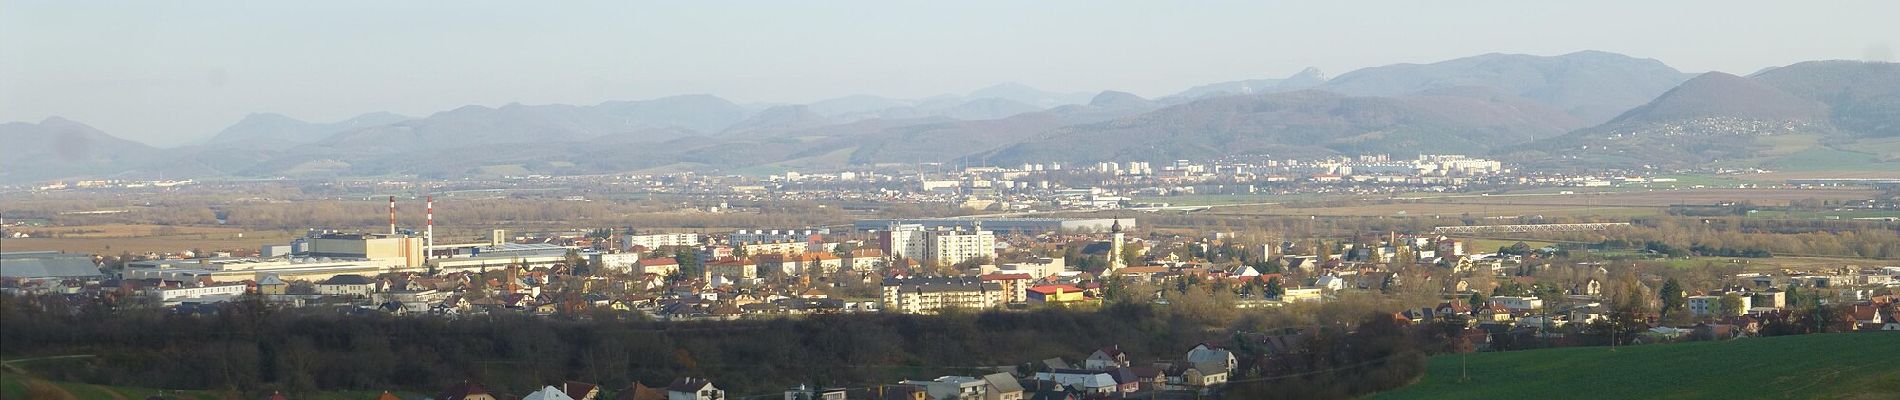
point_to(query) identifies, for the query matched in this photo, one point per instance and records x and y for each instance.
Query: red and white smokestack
(392, 215)
(428, 233)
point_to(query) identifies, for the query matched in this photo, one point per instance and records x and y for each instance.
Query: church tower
(1115, 261)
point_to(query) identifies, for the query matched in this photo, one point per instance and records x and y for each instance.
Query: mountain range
(1776, 118)
(1581, 109)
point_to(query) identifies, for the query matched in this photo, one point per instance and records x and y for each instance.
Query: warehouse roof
(46, 264)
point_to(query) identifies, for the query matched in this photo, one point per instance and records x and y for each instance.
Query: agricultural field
(1823, 366)
(1621, 202)
(1828, 159)
(1776, 263)
(137, 238)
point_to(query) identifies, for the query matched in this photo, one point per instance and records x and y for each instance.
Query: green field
(1485, 245)
(1827, 159)
(1828, 366)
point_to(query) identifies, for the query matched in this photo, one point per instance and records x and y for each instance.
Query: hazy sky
(168, 72)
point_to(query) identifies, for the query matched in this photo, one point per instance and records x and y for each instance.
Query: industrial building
(397, 251)
(47, 265)
(499, 255)
(251, 269)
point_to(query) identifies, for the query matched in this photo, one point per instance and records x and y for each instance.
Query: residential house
(803, 392)
(465, 391)
(548, 393)
(1330, 282)
(953, 387)
(1002, 387)
(1085, 381)
(1203, 377)
(272, 286)
(1206, 353)
(638, 391)
(693, 389)
(890, 392)
(1146, 378)
(580, 390)
(1106, 358)
(1048, 390)
(1125, 380)
(1869, 314)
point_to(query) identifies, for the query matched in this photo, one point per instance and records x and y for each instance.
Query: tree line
(251, 347)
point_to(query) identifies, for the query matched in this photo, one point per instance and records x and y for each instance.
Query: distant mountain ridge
(57, 148)
(646, 120)
(1718, 116)
(1862, 97)
(277, 131)
(1308, 122)
(1594, 86)
(1534, 109)
(1305, 79)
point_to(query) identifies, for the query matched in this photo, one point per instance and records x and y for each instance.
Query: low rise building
(1518, 303)
(1060, 294)
(732, 268)
(347, 285)
(1016, 286)
(204, 293)
(953, 387)
(663, 266)
(656, 241)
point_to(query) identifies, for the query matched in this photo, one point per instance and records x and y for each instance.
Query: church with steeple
(1109, 250)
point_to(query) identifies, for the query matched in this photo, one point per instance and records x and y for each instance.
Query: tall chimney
(428, 233)
(392, 215)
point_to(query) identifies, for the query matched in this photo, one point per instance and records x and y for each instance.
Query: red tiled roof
(1052, 289)
(731, 261)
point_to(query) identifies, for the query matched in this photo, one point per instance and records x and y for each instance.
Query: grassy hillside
(1830, 366)
(14, 386)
